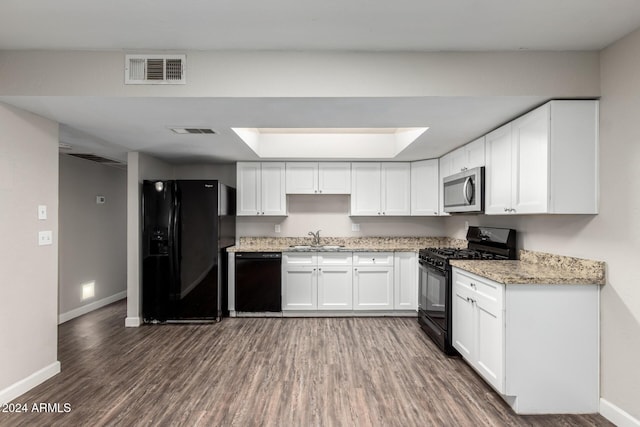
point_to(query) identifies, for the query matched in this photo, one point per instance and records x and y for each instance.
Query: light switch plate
(42, 211)
(45, 238)
(277, 228)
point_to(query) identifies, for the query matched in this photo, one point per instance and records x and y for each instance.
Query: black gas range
(434, 304)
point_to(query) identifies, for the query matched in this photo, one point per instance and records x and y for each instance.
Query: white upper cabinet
(318, 178)
(302, 178)
(474, 155)
(545, 161)
(334, 178)
(467, 157)
(380, 189)
(424, 188)
(261, 189)
(497, 173)
(396, 189)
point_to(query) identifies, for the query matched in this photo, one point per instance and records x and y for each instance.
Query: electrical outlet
(45, 238)
(277, 228)
(100, 200)
(355, 227)
(466, 226)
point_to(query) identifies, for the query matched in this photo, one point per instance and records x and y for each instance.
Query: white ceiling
(378, 25)
(113, 126)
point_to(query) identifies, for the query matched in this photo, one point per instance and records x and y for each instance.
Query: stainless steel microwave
(464, 192)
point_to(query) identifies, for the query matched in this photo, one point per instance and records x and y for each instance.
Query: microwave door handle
(465, 190)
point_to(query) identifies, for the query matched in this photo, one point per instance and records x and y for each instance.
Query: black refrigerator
(187, 224)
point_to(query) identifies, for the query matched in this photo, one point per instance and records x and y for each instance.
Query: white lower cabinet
(373, 281)
(346, 281)
(335, 281)
(300, 289)
(316, 281)
(405, 281)
(536, 344)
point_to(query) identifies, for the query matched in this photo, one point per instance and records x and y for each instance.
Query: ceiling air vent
(155, 69)
(200, 131)
(97, 159)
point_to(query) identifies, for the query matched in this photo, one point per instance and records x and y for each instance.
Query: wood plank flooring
(265, 372)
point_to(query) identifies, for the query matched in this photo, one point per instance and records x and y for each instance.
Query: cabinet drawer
(489, 292)
(335, 258)
(373, 258)
(291, 258)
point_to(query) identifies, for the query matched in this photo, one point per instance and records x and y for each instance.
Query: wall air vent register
(155, 69)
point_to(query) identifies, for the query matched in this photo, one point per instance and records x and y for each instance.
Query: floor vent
(155, 69)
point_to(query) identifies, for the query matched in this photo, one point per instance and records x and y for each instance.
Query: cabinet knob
(384, 213)
(319, 191)
(506, 210)
(378, 213)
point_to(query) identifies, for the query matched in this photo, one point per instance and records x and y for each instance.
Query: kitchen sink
(315, 247)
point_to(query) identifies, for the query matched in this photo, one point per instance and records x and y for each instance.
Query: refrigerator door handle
(177, 245)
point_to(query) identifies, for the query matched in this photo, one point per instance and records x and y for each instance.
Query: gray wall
(28, 272)
(93, 237)
(612, 236)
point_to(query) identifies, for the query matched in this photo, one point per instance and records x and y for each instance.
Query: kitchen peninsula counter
(538, 268)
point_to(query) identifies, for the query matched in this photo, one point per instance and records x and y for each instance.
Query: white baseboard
(65, 317)
(132, 322)
(26, 384)
(617, 415)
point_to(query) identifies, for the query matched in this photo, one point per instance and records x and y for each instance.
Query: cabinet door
(365, 189)
(274, 199)
(396, 189)
(334, 178)
(424, 188)
(405, 283)
(302, 178)
(475, 153)
(459, 160)
(530, 160)
(444, 165)
(335, 288)
(299, 288)
(498, 171)
(463, 321)
(490, 332)
(373, 288)
(249, 201)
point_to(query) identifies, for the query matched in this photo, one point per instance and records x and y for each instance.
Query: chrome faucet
(316, 237)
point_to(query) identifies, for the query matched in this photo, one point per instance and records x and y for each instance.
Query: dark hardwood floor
(271, 372)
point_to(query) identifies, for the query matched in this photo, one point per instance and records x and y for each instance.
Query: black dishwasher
(258, 285)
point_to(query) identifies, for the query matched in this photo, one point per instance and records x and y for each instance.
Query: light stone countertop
(538, 268)
(348, 244)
